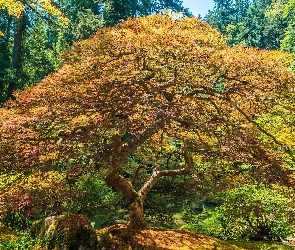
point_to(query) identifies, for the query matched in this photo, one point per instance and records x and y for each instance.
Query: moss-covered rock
(66, 232)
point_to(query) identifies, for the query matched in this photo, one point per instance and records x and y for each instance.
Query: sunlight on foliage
(169, 93)
(15, 8)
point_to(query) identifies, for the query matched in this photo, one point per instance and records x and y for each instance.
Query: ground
(117, 238)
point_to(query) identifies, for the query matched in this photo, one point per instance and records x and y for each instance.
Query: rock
(291, 240)
(66, 232)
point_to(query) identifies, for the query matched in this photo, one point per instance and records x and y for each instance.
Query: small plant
(25, 242)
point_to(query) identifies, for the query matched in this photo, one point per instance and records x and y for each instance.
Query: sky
(198, 6)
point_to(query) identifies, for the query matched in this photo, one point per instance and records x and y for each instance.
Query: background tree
(222, 14)
(115, 11)
(155, 88)
(286, 10)
(17, 17)
(258, 23)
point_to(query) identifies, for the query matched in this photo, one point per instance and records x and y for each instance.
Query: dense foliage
(264, 24)
(167, 93)
(256, 212)
(248, 212)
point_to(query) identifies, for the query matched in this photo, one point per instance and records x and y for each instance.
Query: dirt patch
(117, 237)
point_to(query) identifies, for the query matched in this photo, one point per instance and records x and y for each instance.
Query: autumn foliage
(156, 88)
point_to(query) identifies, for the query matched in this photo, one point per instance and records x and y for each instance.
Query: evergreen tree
(252, 23)
(222, 15)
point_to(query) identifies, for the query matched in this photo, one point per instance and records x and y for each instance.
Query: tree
(16, 16)
(117, 10)
(258, 23)
(286, 10)
(222, 15)
(168, 92)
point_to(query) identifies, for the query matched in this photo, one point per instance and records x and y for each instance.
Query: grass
(7, 234)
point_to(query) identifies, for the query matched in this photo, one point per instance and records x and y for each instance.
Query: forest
(132, 124)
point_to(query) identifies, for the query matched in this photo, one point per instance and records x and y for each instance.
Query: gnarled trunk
(135, 199)
(132, 198)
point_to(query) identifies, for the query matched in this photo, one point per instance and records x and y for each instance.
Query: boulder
(66, 232)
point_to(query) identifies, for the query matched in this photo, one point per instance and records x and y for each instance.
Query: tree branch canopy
(152, 86)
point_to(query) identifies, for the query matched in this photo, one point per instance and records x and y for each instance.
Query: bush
(94, 194)
(24, 199)
(24, 242)
(206, 223)
(256, 212)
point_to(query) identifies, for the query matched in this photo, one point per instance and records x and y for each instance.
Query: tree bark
(136, 215)
(132, 198)
(16, 53)
(136, 199)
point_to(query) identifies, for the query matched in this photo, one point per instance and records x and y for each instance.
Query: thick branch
(114, 180)
(137, 171)
(157, 174)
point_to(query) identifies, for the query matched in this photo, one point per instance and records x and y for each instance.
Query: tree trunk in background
(5, 59)
(16, 53)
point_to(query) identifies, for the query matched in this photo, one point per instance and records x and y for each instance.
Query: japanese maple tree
(157, 88)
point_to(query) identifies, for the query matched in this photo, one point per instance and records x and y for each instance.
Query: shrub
(24, 199)
(24, 242)
(95, 193)
(257, 212)
(31, 197)
(206, 222)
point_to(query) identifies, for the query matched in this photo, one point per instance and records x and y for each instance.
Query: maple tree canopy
(153, 86)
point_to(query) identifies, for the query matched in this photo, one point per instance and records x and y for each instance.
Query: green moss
(70, 231)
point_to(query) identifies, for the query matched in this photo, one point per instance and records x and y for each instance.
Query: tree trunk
(136, 216)
(6, 57)
(136, 199)
(132, 198)
(16, 53)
